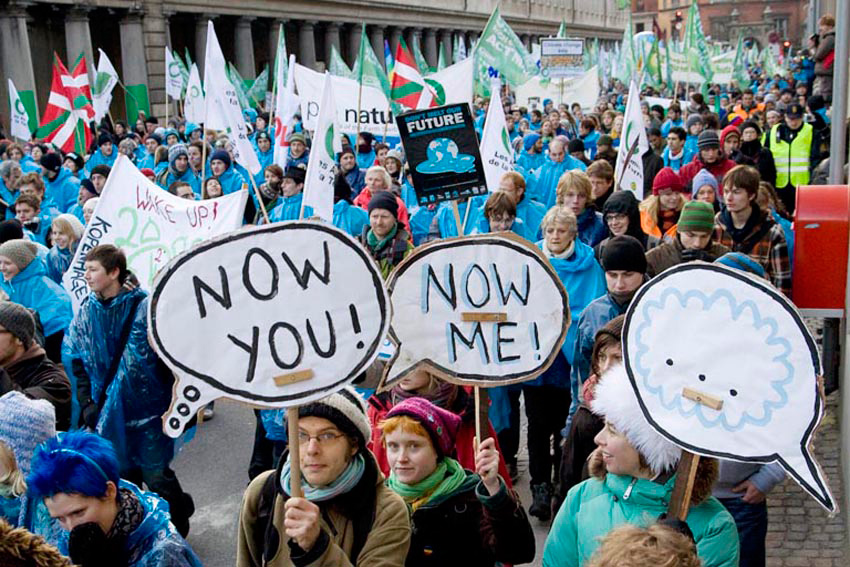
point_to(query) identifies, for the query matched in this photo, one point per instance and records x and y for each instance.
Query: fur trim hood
(20, 548)
(615, 401)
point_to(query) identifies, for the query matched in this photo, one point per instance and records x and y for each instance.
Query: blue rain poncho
(32, 288)
(97, 158)
(62, 191)
(231, 180)
(287, 209)
(58, 260)
(155, 543)
(349, 218)
(445, 216)
(543, 183)
(139, 394)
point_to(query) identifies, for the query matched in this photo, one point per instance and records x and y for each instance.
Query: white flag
(286, 106)
(173, 76)
(496, 150)
(633, 144)
(319, 184)
(105, 80)
(20, 118)
(193, 106)
(221, 103)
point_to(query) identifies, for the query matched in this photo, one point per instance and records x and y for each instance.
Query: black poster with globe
(442, 150)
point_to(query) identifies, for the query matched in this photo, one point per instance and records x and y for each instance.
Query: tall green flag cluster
(695, 45)
(500, 53)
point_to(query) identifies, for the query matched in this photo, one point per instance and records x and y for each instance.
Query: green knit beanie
(696, 216)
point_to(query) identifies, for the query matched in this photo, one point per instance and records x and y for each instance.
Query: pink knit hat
(442, 425)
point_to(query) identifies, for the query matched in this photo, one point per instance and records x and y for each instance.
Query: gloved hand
(89, 415)
(88, 546)
(689, 255)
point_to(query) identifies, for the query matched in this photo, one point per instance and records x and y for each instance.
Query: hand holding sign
(482, 310)
(275, 315)
(724, 366)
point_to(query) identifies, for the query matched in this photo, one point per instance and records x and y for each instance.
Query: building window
(781, 26)
(639, 27)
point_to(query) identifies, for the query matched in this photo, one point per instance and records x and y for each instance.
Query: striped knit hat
(696, 216)
(345, 409)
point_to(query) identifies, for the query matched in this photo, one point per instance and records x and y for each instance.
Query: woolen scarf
(341, 485)
(446, 478)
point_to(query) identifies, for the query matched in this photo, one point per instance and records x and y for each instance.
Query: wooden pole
(294, 453)
(203, 156)
(259, 198)
(167, 104)
(680, 499)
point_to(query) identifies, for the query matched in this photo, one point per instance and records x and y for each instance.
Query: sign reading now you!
(276, 315)
(149, 224)
(482, 310)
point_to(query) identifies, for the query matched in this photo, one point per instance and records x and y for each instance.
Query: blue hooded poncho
(32, 288)
(62, 191)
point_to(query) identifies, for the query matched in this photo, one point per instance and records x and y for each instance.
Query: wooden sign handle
(680, 499)
(294, 453)
(482, 420)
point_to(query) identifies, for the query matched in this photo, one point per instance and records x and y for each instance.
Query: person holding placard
(385, 239)
(422, 384)
(347, 515)
(122, 387)
(499, 215)
(548, 397)
(528, 210)
(632, 476)
(459, 517)
(292, 193)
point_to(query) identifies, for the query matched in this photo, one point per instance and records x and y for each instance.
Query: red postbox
(822, 234)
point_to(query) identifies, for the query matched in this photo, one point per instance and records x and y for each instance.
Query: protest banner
(149, 224)
(294, 311)
(761, 405)
(485, 310)
(442, 150)
(562, 58)
(452, 85)
(584, 90)
(19, 119)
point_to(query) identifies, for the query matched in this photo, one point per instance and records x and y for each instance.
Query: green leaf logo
(439, 91)
(506, 140)
(19, 107)
(174, 69)
(329, 141)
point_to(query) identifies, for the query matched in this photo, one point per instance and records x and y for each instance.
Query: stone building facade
(133, 33)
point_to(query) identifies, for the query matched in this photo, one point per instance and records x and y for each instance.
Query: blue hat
(221, 155)
(741, 262)
(529, 140)
(702, 178)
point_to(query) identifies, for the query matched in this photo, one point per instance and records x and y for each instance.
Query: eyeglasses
(615, 217)
(321, 438)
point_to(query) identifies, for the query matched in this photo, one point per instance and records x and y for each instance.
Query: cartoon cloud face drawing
(724, 366)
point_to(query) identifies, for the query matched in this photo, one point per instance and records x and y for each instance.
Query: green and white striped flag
(105, 80)
(238, 84)
(337, 65)
(257, 91)
(368, 70)
(424, 68)
(500, 53)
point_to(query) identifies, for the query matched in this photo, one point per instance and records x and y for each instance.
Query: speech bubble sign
(483, 310)
(276, 315)
(724, 366)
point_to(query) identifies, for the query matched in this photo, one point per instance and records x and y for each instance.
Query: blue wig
(73, 463)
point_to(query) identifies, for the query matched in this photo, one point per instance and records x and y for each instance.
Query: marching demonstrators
(606, 191)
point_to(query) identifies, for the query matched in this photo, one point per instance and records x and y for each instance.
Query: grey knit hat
(20, 251)
(176, 151)
(18, 320)
(345, 409)
(708, 139)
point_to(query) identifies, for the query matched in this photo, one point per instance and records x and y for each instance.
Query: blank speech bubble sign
(482, 310)
(276, 315)
(724, 366)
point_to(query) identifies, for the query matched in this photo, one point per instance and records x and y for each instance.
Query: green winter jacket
(597, 505)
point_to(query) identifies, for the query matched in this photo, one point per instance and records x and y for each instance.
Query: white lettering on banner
(480, 310)
(149, 224)
(294, 311)
(430, 123)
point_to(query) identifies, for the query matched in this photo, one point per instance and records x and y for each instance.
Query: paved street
(213, 467)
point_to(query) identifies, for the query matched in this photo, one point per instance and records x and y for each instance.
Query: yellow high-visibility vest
(792, 160)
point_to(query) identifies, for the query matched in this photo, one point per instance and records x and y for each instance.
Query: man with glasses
(346, 516)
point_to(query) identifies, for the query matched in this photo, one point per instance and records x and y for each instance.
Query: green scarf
(376, 244)
(445, 480)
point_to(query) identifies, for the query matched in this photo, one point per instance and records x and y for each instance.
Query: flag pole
(260, 200)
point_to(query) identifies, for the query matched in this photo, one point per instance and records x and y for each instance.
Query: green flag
(739, 65)
(184, 72)
(337, 65)
(562, 30)
(424, 68)
(441, 58)
(695, 44)
(367, 69)
(281, 58)
(187, 57)
(257, 92)
(500, 53)
(626, 62)
(653, 75)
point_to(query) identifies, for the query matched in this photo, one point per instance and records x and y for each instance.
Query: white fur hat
(615, 400)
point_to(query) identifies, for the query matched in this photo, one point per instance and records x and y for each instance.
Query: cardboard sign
(724, 366)
(275, 315)
(442, 149)
(483, 310)
(149, 224)
(562, 58)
